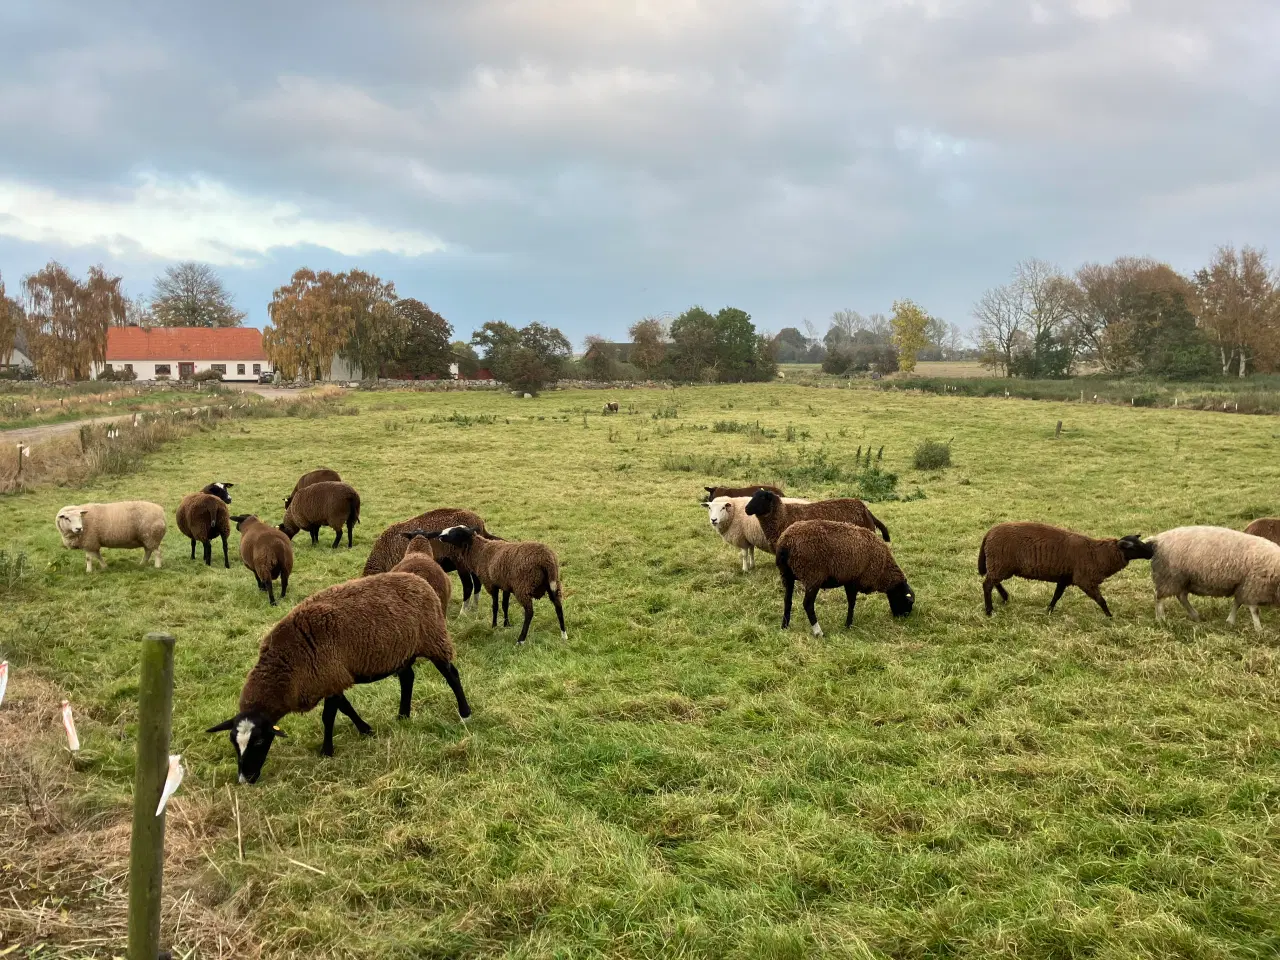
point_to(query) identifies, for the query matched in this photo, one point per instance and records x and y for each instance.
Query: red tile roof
(184, 343)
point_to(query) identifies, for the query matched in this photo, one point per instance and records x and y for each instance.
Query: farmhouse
(179, 353)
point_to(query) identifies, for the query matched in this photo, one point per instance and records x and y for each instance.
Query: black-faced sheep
(526, 568)
(329, 503)
(322, 475)
(267, 553)
(775, 514)
(418, 558)
(389, 549)
(824, 554)
(729, 518)
(127, 525)
(203, 516)
(356, 632)
(1267, 527)
(1215, 562)
(1038, 551)
(714, 493)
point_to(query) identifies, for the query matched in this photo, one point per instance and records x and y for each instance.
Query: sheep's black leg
(987, 585)
(789, 588)
(810, 595)
(1004, 594)
(851, 594)
(226, 557)
(555, 602)
(1059, 591)
(475, 586)
(1096, 595)
(494, 592)
(506, 603)
(271, 593)
(193, 548)
(528, 619)
(315, 535)
(208, 553)
(351, 529)
(261, 585)
(330, 711)
(284, 584)
(345, 706)
(450, 674)
(337, 541)
(406, 691)
(466, 587)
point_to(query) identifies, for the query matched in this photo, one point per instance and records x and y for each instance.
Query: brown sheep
(321, 475)
(824, 554)
(1038, 551)
(203, 516)
(528, 569)
(611, 407)
(267, 552)
(329, 503)
(360, 631)
(715, 492)
(776, 514)
(389, 548)
(418, 559)
(1267, 527)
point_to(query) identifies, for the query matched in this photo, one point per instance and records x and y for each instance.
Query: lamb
(267, 552)
(526, 568)
(418, 559)
(715, 493)
(360, 631)
(729, 519)
(389, 549)
(775, 515)
(1038, 551)
(203, 516)
(322, 475)
(126, 524)
(1268, 528)
(823, 554)
(329, 503)
(1215, 562)
(611, 407)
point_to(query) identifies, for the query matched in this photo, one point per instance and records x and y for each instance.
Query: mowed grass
(681, 778)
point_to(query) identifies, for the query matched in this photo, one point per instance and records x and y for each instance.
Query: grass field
(680, 778)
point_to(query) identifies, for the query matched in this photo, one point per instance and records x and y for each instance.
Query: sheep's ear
(238, 519)
(224, 725)
(432, 534)
(228, 485)
(705, 503)
(279, 732)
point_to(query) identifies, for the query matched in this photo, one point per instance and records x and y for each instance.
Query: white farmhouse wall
(147, 369)
(18, 359)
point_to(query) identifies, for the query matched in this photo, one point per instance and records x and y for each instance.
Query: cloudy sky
(587, 162)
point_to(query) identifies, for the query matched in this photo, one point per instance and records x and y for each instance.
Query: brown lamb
(329, 503)
(713, 492)
(776, 514)
(389, 548)
(315, 476)
(1038, 551)
(267, 553)
(1267, 527)
(203, 517)
(418, 559)
(360, 631)
(526, 568)
(824, 554)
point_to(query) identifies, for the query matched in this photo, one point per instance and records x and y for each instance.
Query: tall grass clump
(13, 568)
(932, 455)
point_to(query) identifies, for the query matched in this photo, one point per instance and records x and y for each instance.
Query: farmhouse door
(186, 371)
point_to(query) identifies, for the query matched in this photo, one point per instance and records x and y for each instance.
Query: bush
(118, 376)
(933, 455)
(204, 376)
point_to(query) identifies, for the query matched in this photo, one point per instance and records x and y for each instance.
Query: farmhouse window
(257, 369)
(239, 369)
(218, 367)
(162, 369)
(109, 369)
(129, 367)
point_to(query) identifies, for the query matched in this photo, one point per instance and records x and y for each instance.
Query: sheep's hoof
(817, 629)
(326, 750)
(564, 634)
(368, 731)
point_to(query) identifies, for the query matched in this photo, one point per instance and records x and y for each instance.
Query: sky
(586, 163)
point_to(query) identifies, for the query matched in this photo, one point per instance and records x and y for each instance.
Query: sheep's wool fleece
(845, 510)
(821, 550)
(1038, 551)
(328, 502)
(1267, 527)
(265, 550)
(127, 524)
(202, 516)
(1216, 562)
(525, 568)
(391, 546)
(424, 565)
(352, 632)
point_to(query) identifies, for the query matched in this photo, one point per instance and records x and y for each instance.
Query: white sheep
(127, 525)
(1215, 562)
(729, 518)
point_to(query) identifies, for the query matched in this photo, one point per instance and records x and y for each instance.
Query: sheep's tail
(982, 557)
(884, 531)
(552, 574)
(353, 512)
(783, 561)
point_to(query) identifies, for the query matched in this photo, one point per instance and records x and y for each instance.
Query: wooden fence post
(146, 847)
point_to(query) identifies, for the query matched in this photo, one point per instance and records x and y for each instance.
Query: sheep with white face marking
(329, 503)
(419, 559)
(1215, 562)
(203, 516)
(728, 516)
(356, 632)
(322, 475)
(775, 514)
(266, 552)
(126, 525)
(527, 568)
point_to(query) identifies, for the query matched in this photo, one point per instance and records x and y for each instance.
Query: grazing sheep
(1267, 527)
(823, 554)
(360, 631)
(611, 407)
(267, 552)
(389, 549)
(1215, 562)
(1038, 551)
(775, 514)
(203, 516)
(419, 559)
(329, 503)
(526, 568)
(729, 519)
(715, 493)
(322, 475)
(127, 524)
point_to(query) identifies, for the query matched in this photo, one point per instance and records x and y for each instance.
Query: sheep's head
(219, 490)
(901, 599)
(288, 528)
(762, 503)
(459, 536)
(1133, 548)
(251, 735)
(720, 512)
(239, 519)
(70, 523)
(419, 541)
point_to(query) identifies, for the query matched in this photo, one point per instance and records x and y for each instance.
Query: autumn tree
(66, 320)
(1105, 324)
(1238, 301)
(648, 344)
(1029, 320)
(910, 325)
(191, 294)
(308, 326)
(11, 318)
(598, 358)
(527, 359)
(424, 345)
(374, 326)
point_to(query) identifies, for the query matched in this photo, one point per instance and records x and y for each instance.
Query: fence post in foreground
(146, 847)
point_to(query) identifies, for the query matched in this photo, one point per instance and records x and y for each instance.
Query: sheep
(526, 568)
(1215, 562)
(322, 475)
(715, 493)
(389, 548)
(203, 516)
(1038, 551)
(775, 514)
(126, 524)
(360, 631)
(823, 554)
(729, 519)
(1268, 528)
(267, 552)
(329, 503)
(611, 407)
(418, 558)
